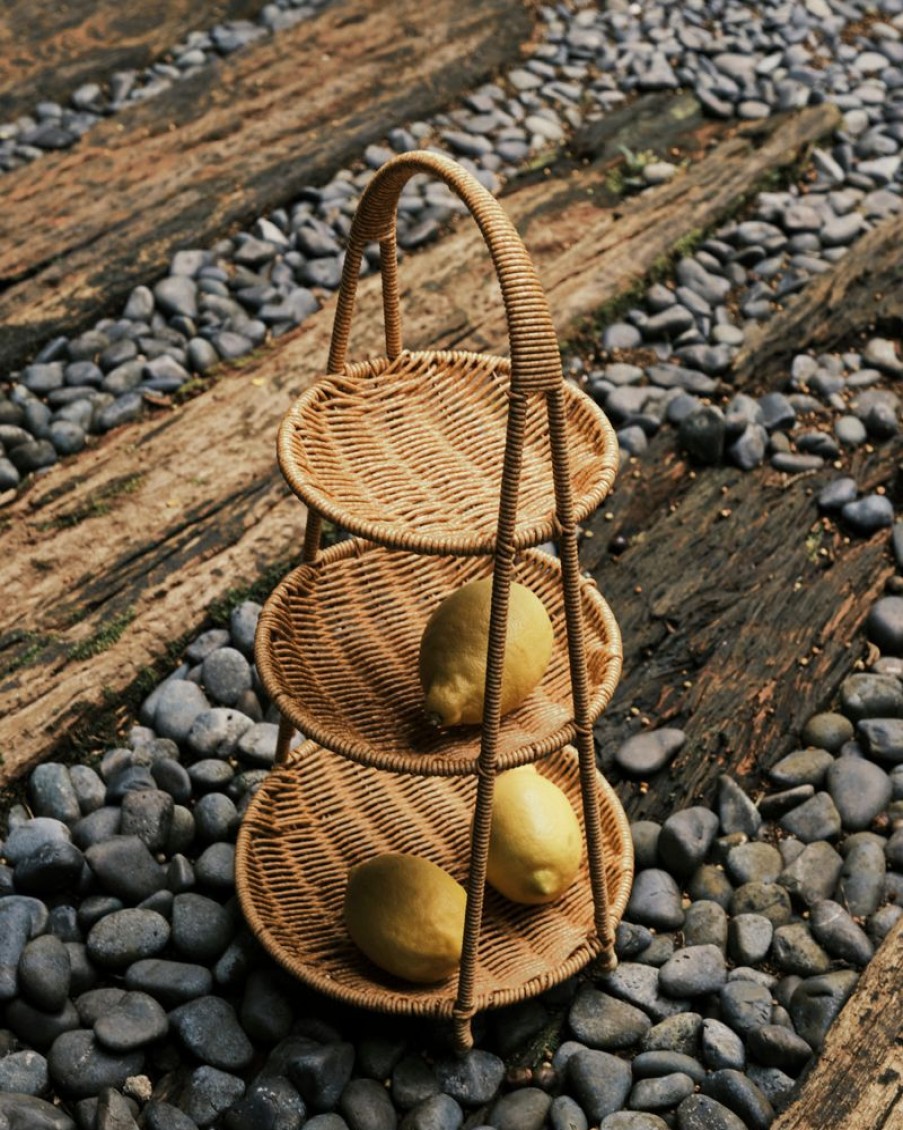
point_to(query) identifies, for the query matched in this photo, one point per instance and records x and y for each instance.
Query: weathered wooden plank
(737, 604)
(863, 294)
(857, 1081)
(184, 168)
(79, 557)
(47, 49)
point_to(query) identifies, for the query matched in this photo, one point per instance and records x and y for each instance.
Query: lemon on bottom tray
(407, 915)
(535, 845)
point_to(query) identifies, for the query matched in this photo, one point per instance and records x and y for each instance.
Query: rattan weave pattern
(338, 644)
(409, 453)
(316, 816)
(449, 455)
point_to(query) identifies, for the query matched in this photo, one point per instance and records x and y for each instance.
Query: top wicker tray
(408, 452)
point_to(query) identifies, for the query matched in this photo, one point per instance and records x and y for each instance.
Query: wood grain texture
(740, 610)
(226, 146)
(81, 554)
(857, 1081)
(47, 49)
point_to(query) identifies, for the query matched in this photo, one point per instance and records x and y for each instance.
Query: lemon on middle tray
(453, 652)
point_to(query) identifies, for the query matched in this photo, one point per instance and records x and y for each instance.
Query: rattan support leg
(283, 740)
(492, 713)
(312, 533)
(570, 568)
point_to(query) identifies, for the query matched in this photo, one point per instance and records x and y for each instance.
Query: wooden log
(857, 1081)
(134, 542)
(862, 295)
(185, 168)
(48, 49)
(740, 611)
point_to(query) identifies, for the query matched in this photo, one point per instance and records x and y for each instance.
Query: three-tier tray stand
(445, 467)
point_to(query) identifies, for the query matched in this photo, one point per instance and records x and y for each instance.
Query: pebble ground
(131, 992)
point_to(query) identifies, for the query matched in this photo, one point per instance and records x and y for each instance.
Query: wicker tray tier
(409, 453)
(338, 645)
(316, 816)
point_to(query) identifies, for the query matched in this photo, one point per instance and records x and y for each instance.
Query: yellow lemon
(407, 915)
(453, 652)
(535, 844)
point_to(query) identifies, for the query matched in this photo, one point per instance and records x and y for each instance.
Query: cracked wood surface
(207, 509)
(48, 49)
(225, 146)
(740, 611)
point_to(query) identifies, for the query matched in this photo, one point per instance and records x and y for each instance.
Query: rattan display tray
(409, 452)
(446, 466)
(316, 816)
(338, 644)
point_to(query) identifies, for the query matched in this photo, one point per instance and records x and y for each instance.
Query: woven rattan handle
(535, 359)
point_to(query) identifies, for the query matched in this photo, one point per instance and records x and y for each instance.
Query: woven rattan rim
(273, 885)
(289, 661)
(343, 486)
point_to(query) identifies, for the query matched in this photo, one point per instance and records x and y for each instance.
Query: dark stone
(738, 1093)
(776, 1046)
(701, 435)
(472, 1079)
(125, 868)
(27, 1112)
(137, 1020)
(273, 1104)
(365, 1105)
(53, 869)
(165, 1116)
(655, 901)
(768, 899)
(701, 1112)
(45, 973)
(884, 625)
(80, 1067)
(126, 936)
(39, 1029)
(736, 811)
(266, 1011)
(320, 1072)
(170, 982)
(883, 738)
(601, 1082)
(745, 1005)
(201, 927)
(860, 790)
(816, 1002)
(686, 837)
(208, 1093)
(815, 819)
(209, 1029)
(646, 753)
(601, 1021)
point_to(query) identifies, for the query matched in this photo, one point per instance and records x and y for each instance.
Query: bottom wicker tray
(317, 815)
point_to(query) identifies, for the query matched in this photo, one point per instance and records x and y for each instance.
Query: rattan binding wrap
(433, 458)
(315, 817)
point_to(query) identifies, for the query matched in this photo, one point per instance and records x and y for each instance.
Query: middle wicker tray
(338, 645)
